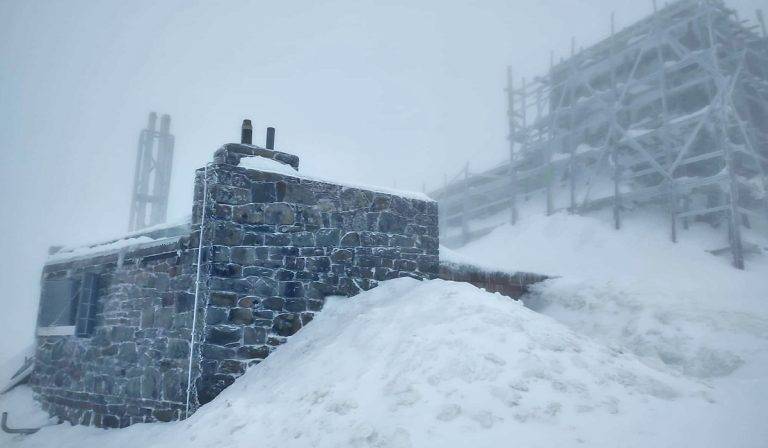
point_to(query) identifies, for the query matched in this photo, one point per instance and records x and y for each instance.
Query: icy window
(58, 303)
(68, 306)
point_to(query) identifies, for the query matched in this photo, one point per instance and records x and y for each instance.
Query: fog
(394, 93)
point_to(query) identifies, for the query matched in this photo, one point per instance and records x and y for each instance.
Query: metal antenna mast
(152, 175)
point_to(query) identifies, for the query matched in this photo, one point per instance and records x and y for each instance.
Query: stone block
(224, 335)
(279, 213)
(263, 192)
(212, 352)
(350, 239)
(177, 349)
(241, 316)
(232, 367)
(224, 194)
(381, 202)
(127, 353)
(250, 214)
(254, 336)
(227, 234)
(224, 299)
(355, 199)
(243, 255)
(303, 239)
(392, 223)
(216, 315)
(295, 305)
(295, 193)
(286, 324)
(259, 352)
(277, 239)
(273, 303)
(291, 289)
(227, 270)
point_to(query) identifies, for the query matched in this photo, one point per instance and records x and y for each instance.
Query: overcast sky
(380, 92)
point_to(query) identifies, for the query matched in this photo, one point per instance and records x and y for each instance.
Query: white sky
(378, 92)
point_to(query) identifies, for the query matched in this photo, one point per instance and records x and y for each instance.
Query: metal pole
(734, 234)
(761, 21)
(145, 171)
(270, 138)
(465, 207)
(667, 146)
(246, 133)
(512, 139)
(569, 136)
(611, 141)
(163, 168)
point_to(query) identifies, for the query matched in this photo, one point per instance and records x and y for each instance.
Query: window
(68, 306)
(85, 317)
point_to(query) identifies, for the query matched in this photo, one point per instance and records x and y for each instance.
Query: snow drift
(676, 307)
(420, 364)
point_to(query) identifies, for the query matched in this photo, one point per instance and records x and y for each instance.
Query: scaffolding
(672, 111)
(152, 174)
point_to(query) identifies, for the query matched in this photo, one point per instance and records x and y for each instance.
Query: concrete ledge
(231, 153)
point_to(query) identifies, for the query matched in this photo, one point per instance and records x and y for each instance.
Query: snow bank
(418, 364)
(23, 412)
(676, 307)
(671, 303)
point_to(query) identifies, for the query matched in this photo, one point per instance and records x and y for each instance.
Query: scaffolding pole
(656, 99)
(152, 174)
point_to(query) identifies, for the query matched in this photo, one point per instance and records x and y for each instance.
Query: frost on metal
(668, 112)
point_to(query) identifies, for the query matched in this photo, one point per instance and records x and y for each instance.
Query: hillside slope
(638, 343)
(675, 306)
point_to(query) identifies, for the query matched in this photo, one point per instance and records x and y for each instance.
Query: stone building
(126, 326)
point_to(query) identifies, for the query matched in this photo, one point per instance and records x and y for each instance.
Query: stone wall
(279, 244)
(133, 366)
(274, 246)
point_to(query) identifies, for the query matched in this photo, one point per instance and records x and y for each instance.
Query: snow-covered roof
(273, 166)
(148, 237)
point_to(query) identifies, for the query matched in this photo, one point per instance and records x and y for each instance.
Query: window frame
(82, 305)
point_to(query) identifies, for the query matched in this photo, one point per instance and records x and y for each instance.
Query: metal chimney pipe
(270, 138)
(246, 135)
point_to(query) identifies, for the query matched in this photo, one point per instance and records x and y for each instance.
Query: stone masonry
(279, 244)
(133, 367)
(274, 246)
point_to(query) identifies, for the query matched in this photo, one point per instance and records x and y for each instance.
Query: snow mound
(674, 305)
(416, 364)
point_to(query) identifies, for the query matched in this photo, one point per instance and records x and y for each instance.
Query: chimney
(270, 138)
(246, 136)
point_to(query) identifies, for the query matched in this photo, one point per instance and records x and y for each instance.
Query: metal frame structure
(152, 174)
(671, 111)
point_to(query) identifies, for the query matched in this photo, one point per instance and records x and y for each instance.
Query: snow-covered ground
(638, 343)
(674, 306)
